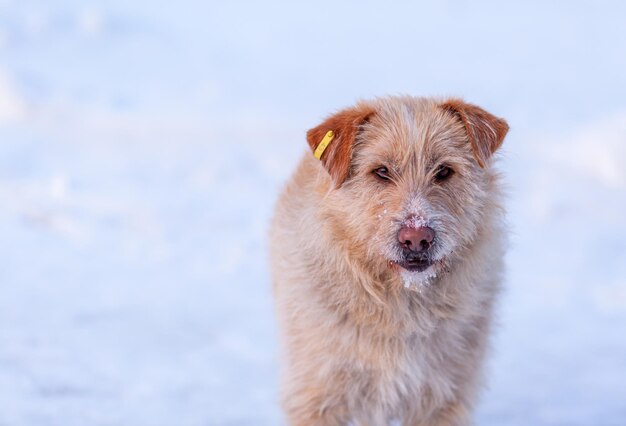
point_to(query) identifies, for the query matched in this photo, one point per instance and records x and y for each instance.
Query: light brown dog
(387, 255)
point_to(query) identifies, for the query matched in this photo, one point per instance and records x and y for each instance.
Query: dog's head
(409, 179)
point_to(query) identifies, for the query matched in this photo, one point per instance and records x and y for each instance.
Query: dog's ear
(485, 131)
(337, 155)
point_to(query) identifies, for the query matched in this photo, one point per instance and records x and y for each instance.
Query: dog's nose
(416, 239)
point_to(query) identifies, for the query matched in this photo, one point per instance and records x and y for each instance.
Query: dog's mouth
(413, 262)
(415, 265)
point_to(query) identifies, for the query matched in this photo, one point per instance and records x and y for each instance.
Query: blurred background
(143, 144)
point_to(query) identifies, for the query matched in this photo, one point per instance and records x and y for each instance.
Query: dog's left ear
(344, 125)
(485, 131)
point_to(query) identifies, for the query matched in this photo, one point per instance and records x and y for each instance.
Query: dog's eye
(443, 173)
(382, 173)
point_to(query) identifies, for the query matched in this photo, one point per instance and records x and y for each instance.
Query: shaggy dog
(387, 255)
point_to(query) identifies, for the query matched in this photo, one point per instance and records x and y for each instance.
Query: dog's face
(411, 180)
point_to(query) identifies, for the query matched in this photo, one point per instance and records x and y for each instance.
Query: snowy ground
(142, 146)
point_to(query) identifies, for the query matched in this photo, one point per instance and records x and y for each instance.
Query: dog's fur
(365, 341)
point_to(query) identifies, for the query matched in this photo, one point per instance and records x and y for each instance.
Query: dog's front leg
(454, 413)
(309, 407)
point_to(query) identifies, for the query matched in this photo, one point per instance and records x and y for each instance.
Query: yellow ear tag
(323, 144)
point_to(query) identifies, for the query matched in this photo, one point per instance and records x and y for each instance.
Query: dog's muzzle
(416, 243)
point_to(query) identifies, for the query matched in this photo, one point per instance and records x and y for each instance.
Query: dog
(387, 251)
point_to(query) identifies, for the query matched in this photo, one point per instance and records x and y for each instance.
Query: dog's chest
(417, 370)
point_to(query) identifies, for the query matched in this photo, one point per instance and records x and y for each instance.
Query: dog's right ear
(337, 155)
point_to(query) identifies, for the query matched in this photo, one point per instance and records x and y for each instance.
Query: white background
(142, 147)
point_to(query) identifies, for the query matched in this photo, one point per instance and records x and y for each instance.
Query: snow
(142, 146)
(11, 106)
(418, 281)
